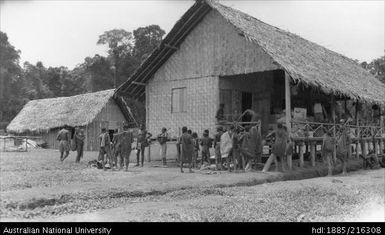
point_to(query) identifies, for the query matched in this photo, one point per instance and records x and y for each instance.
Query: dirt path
(36, 186)
(357, 197)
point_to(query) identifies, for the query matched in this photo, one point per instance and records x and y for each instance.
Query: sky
(63, 33)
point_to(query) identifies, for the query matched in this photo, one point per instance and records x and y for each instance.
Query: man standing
(116, 147)
(105, 147)
(142, 144)
(187, 149)
(125, 141)
(79, 142)
(227, 145)
(64, 137)
(162, 139)
(217, 147)
(343, 144)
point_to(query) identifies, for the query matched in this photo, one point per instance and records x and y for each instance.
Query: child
(206, 144)
(195, 141)
(328, 144)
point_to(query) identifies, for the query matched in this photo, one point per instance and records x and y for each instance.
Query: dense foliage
(126, 50)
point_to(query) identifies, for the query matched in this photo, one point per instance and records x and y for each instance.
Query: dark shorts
(64, 146)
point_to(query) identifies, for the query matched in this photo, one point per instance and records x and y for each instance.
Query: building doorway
(247, 100)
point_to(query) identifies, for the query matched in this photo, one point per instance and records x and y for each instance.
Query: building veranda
(218, 55)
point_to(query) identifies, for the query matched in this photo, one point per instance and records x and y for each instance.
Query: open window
(178, 100)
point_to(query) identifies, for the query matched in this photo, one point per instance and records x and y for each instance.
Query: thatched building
(92, 111)
(215, 54)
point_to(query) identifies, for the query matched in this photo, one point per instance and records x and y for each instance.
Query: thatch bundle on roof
(304, 61)
(45, 114)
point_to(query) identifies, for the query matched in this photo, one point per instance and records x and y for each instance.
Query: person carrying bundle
(278, 149)
(64, 137)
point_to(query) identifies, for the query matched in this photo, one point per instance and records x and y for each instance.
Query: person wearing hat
(64, 137)
(125, 141)
(217, 147)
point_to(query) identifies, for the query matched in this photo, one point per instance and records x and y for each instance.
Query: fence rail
(15, 143)
(316, 129)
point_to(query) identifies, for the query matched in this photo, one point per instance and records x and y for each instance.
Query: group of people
(120, 147)
(235, 147)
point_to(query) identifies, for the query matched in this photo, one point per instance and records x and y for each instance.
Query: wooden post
(287, 102)
(357, 130)
(333, 109)
(149, 153)
(290, 161)
(312, 153)
(26, 144)
(364, 148)
(381, 133)
(301, 147)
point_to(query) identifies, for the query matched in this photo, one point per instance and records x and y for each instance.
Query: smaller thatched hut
(92, 111)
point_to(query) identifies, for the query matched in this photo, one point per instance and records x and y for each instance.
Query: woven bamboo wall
(212, 49)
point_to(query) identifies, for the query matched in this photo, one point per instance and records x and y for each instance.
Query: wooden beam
(312, 153)
(175, 38)
(333, 109)
(172, 47)
(287, 102)
(138, 83)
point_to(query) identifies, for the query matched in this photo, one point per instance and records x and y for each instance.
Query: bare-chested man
(64, 138)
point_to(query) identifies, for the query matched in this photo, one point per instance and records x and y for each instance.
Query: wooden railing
(316, 129)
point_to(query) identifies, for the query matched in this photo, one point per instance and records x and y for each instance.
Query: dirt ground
(36, 186)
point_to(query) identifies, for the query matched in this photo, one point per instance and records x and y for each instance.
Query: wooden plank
(312, 153)
(301, 148)
(290, 161)
(287, 102)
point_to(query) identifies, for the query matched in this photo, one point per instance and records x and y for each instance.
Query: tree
(33, 81)
(146, 40)
(376, 67)
(10, 71)
(127, 50)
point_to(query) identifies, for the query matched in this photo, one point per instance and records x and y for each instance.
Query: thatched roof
(303, 60)
(79, 110)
